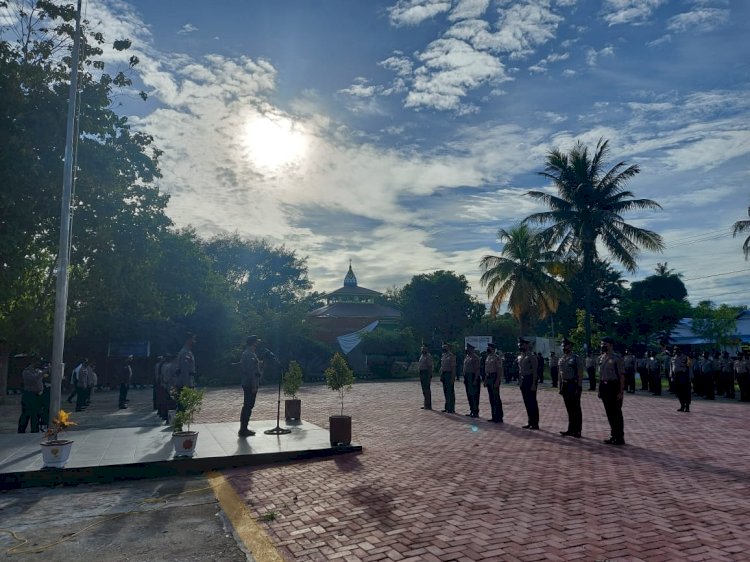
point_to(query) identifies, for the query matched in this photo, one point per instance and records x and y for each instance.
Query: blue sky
(403, 134)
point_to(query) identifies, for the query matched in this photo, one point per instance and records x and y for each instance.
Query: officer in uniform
(612, 389)
(742, 371)
(727, 374)
(640, 367)
(681, 377)
(493, 370)
(425, 376)
(571, 386)
(591, 370)
(448, 378)
(527, 380)
(707, 368)
(653, 370)
(629, 362)
(251, 370)
(31, 399)
(472, 380)
(554, 367)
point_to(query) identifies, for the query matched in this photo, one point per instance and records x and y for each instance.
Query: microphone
(269, 353)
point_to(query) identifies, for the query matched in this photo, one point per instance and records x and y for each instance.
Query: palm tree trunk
(587, 270)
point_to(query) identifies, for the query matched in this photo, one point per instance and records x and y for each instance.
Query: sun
(273, 142)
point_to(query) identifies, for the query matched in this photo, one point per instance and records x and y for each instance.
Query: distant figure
(571, 386)
(612, 390)
(126, 375)
(74, 379)
(653, 368)
(528, 368)
(250, 373)
(185, 372)
(554, 367)
(742, 371)
(640, 367)
(33, 387)
(727, 373)
(85, 377)
(425, 376)
(591, 369)
(628, 362)
(540, 367)
(448, 378)
(91, 381)
(493, 370)
(681, 376)
(472, 380)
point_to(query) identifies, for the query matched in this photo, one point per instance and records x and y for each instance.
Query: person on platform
(126, 376)
(251, 370)
(528, 372)
(472, 380)
(571, 387)
(612, 390)
(493, 371)
(448, 379)
(31, 398)
(426, 366)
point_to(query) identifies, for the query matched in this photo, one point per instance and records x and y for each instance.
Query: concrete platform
(127, 453)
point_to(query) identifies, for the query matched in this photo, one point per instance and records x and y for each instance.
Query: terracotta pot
(293, 409)
(340, 430)
(184, 443)
(56, 453)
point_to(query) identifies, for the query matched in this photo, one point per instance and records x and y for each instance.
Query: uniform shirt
(610, 367)
(742, 366)
(74, 375)
(493, 364)
(726, 365)
(249, 369)
(425, 362)
(680, 364)
(652, 364)
(707, 366)
(527, 367)
(32, 380)
(185, 367)
(84, 377)
(629, 363)
(92, 378)
(554, 361)
(641, 363)
(590, 361)
(447, 362)
(570, 367)
(471, 365)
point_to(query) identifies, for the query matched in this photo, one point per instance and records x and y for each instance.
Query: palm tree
(742, 226)
(589, 208)
(522, 275)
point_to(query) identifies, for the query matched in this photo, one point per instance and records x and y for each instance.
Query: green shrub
(339, 377)
(292, 380)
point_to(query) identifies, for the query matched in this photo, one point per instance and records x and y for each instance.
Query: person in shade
(527, 380)
(727, 374)
(472, 380)
(612, 390)
(628, 362)
(31, 399)
(251, 370)
(591, 370)
(426, 366)
(653, 368)
(126, 375)
(554, 368)
(681, 376)
(493, 371)
(448, 378)
(571, 386)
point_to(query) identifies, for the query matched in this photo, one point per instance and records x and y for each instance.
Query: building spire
(350, 280)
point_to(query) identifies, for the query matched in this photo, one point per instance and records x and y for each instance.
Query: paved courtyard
(432, 486)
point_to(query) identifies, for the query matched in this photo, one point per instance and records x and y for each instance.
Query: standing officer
(571, 386)
(250, 372)
(653, 368)
(707, 368)
(742, 371)
(31, 399)
(727, 374)
(425, 376)
(493, 370)
(591, 369)
(472, 380)
(527, 380)
(126, 375)
(554, 370)
(629, 363)
(681, 376)
(448, 378)
(642, 370)
(612, 390)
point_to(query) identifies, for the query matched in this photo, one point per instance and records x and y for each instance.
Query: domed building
(351, 311)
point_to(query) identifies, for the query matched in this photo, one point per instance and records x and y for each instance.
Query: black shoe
(681, 409)
(687, 408)
(618, 442)
(445, 411)
(79, 409)
(610, 441)
(123, 407)
(245, 432)
(534, 427)
(565, 433)
(528, 426)
(576, 435)
(425, 408)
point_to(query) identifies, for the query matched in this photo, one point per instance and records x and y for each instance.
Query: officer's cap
(469, 346)
(252, 339)
(609, 340)
(522, 340)
(491, 345)
(566, 341)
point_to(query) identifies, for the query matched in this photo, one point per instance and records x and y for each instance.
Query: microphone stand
(278, 430)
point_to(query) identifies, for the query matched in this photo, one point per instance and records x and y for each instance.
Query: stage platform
(129, 453)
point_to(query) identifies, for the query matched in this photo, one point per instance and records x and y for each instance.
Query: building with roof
(683, 333)
(350, 312)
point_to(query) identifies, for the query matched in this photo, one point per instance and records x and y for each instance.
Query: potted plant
(189, 402)
(339, 377)
(291, 382)
(55, 451)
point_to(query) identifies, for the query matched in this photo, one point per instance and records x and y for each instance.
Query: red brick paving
(437, 487)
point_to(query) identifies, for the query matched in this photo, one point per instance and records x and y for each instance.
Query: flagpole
(63, 254)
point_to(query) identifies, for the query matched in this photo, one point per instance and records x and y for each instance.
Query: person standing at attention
(425, 376)
(493, 370)
(527, 380)
(571, 386)
(472, 380)
(251, 370)
(612, 390)
(448, 378)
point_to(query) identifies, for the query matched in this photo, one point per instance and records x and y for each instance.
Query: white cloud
(414, 12)
(187, 28)
(542, 65)
(629, 11)
(592, 55)
(704, 19)
(468, 9)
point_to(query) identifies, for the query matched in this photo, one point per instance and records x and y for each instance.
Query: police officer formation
(706, 375)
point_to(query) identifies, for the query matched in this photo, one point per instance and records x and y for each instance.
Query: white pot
(184, 443)
(55, 453)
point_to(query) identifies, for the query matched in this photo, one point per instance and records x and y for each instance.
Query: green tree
(740, 227)
(664, 285)
(339, 377)
(523, 276)
(715, 323)
(589, 208)
(438, 306)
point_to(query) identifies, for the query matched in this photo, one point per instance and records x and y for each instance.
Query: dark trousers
(709, 389)
(655, 378)
(123, 393)
(529, 400)
(449, 392)
(629, 380)
(644, 378)
(496, 404)
(744, 382)
(554, 372)
(80, 398)
(425, 379)
(572, 398)
(591, 372)
(73, 394)
(729, 384)
(683, 390)
(248, 403)
(609, 391)
(473, 391)
(30, 406)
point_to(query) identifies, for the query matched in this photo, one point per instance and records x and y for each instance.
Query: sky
(403, 134)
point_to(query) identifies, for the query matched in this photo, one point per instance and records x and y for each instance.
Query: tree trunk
(587, 270)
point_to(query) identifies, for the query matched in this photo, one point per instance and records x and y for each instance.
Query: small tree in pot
(189, 403)
(56, 451)
(339, 377)
(291, 382)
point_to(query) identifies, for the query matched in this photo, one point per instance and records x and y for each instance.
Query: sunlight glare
(273, 142)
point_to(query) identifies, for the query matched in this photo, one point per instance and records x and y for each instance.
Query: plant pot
(340, 430)
(55, 453)
(184, 443)
(293, 409)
